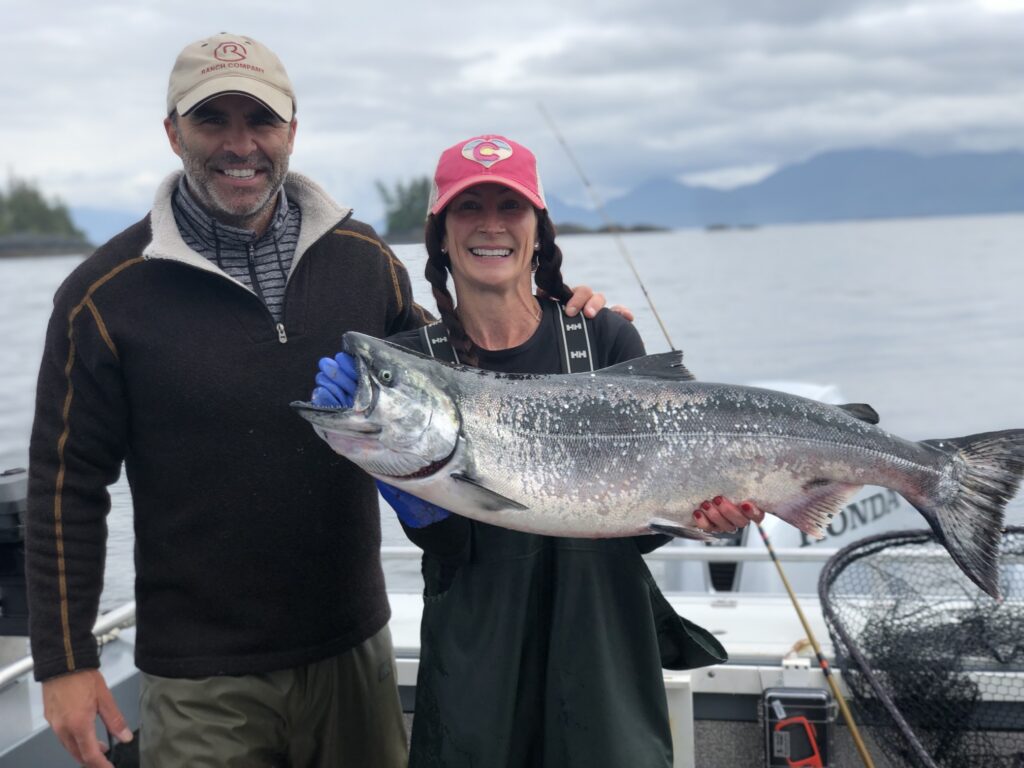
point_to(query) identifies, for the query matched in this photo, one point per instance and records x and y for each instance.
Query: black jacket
(256, 547)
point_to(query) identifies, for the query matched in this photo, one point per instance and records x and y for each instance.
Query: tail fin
(988, 468)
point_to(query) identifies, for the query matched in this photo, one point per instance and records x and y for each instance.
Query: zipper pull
(281, 335)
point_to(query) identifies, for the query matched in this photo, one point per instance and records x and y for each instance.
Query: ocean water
(923, 318)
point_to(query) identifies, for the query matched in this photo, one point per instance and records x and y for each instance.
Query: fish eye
(385, 376)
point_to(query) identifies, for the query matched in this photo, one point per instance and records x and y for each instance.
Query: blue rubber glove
(411, 510)
(336, 381)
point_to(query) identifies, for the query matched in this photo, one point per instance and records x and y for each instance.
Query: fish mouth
(353, 419)
(327, 417)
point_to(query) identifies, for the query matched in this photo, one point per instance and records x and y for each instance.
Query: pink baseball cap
(481, 160)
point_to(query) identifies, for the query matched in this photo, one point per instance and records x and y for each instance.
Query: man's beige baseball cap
(228, 63)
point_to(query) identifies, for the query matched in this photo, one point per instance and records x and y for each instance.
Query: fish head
(402, 424)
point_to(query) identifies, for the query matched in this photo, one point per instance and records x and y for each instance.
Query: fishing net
(934, 665)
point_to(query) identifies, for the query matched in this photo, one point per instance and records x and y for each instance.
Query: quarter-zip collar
(212, 232)
(320, 214)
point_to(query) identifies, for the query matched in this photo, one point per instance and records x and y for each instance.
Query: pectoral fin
(485, 497)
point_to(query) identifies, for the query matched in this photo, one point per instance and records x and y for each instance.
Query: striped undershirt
(260, 263)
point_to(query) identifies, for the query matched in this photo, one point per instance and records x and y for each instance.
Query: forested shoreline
(31, 225)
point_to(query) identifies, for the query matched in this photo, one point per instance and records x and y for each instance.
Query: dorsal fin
(666, 365)
(861, 411)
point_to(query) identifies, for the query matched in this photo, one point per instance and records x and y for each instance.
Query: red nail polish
(697, 515)
(746, 507)
(717, 500)
(705, 505)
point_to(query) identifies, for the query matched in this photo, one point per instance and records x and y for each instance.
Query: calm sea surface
(924, 319)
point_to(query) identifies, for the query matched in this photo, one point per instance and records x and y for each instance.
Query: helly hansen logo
(577, 354)
(573, 326)
(439, 340)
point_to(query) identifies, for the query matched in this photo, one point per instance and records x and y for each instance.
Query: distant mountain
(101, 224)
(834, 186)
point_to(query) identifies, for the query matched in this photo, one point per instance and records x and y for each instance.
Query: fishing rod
(826, 670)
(608, 223)
(822, 661)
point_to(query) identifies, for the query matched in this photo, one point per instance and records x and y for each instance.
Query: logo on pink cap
(487, 152)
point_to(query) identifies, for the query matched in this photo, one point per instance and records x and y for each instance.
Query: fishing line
(608, 223)
(822, 661)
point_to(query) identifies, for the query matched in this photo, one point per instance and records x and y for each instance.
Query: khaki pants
(343, 712)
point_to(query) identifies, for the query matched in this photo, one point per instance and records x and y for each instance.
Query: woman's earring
(536, 245)
(444, 251)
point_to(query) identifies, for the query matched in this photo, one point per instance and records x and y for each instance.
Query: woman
(535, 650)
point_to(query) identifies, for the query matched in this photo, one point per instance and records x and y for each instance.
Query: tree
(24, 210)
(405, 207)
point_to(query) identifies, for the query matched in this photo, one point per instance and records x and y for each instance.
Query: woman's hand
(720, 515)
(336, 382)
(412, 511)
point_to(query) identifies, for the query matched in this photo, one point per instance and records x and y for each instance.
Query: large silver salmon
(636, 447)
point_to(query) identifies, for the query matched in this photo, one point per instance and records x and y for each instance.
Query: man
(175, 349)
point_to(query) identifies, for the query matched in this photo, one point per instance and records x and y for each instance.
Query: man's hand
(583, 296)
(71, 703)
(720, 515)
(618, 309)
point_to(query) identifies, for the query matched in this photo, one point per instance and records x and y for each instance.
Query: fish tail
(968, 520)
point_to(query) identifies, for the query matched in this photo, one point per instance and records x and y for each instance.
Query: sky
(717, 93)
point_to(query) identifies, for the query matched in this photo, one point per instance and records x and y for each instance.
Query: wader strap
(436, 341)
(574, 343)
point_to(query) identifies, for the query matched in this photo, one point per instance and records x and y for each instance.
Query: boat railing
(692, 554)
(107, 624)
(712, 554)
(104, 630)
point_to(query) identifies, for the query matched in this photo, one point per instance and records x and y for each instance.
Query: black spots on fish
(969, 522)
(503, 376)
(817, 482)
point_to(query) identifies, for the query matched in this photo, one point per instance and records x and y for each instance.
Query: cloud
(650, 88)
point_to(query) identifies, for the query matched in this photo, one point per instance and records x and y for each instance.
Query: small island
(405, 204)
(569, 228)
(32, 226)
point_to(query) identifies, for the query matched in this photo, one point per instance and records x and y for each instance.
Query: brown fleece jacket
(257, 547)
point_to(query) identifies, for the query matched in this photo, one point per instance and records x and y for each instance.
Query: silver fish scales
(636, 447)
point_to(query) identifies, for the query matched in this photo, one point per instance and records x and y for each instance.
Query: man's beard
(225, 208)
